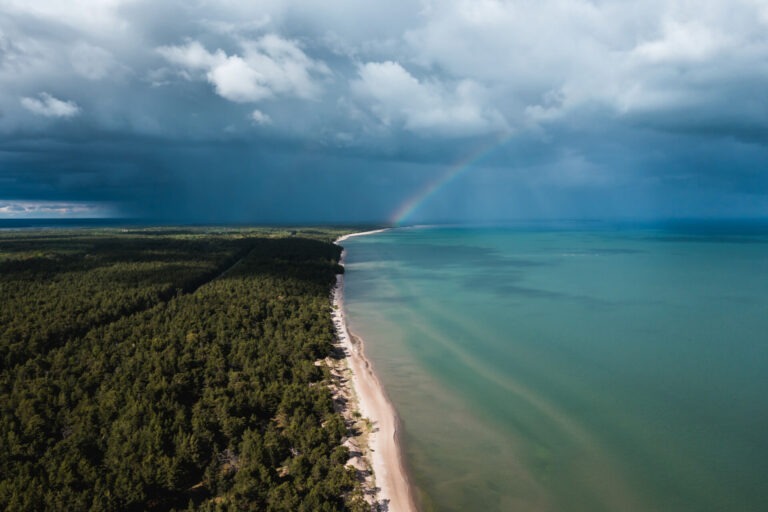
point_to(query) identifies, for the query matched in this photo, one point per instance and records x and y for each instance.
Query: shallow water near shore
(572, 368)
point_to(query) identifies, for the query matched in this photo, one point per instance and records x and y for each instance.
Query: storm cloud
(288, 111)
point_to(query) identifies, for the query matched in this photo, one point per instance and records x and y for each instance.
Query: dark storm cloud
(343, 110)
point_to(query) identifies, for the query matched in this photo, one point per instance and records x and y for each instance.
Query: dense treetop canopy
(166, 369)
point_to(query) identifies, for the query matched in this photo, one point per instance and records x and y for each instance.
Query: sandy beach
(376, 449)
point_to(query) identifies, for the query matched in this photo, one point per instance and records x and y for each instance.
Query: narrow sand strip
(392, 490)
(361, 233)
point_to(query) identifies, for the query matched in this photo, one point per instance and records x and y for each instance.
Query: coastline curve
(391, 489)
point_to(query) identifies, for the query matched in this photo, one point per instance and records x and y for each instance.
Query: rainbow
(458, 168)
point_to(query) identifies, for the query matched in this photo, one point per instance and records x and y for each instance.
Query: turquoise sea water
(572, 369)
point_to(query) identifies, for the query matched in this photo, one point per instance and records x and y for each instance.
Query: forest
(169, 369)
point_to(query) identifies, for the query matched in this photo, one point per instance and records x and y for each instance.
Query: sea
(18, 224)
(577, 367)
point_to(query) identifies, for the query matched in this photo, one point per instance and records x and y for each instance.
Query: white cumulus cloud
(427, 107)
(632, 57)
(50, 106)
(259, 117)
(267, 67)
(682, 42)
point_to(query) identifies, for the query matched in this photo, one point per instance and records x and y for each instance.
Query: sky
(402, 111)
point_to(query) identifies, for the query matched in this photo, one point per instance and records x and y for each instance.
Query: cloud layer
(50, 209)
(663, 102)
(48, 106)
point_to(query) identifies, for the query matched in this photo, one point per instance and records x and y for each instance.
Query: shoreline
(375, 451)
(361, 233)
